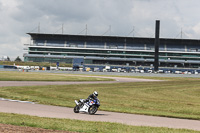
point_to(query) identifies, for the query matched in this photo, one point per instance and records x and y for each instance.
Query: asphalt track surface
(39, 83)
(19, 107)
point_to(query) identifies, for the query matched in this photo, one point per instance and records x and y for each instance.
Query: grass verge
(44, 64)
(33, 76)
(81, 126)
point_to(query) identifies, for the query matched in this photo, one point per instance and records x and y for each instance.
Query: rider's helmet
(95, 93)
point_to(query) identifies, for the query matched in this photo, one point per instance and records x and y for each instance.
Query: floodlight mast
(157, 43)
(39, 28)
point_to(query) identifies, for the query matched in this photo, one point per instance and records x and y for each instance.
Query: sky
(178, 18)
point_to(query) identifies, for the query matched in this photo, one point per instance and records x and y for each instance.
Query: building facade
(112, 50)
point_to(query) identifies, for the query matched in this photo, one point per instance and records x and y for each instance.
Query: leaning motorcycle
(90, 107)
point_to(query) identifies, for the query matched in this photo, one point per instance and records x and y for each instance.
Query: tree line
(18, 59)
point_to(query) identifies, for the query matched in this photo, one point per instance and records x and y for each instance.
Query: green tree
(18, 59)
(8, 58)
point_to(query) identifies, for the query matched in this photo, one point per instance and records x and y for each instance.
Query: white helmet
(95, 93)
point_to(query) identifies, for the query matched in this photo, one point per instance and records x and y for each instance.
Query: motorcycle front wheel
(76, 109)
(92, 110)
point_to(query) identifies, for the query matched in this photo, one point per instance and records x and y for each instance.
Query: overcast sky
(19, 17)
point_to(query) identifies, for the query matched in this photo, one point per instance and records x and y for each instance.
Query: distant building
(112, 50)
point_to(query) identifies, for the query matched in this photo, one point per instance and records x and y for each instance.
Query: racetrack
(39, 83)
(64, 112)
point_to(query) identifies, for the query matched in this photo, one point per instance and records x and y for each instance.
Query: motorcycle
(90, 107)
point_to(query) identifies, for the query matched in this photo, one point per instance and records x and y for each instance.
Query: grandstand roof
(118, 39)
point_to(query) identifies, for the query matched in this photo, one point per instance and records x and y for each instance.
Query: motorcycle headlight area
(91, 103)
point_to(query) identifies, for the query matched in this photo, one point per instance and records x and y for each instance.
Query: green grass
(82, 126)
(33, 76)
(176, 97)
(44, 64)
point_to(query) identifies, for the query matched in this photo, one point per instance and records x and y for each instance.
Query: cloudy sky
(123, 17)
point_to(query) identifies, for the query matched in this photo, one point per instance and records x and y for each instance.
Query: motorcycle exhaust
(76, 102)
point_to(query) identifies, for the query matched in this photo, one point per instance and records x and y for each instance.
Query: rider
(92, 96)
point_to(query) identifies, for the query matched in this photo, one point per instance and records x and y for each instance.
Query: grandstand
(112, 50)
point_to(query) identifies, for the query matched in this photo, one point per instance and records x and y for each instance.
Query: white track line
(11, 100)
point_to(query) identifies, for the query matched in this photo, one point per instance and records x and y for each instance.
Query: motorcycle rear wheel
(76, 109)
(92, 110)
